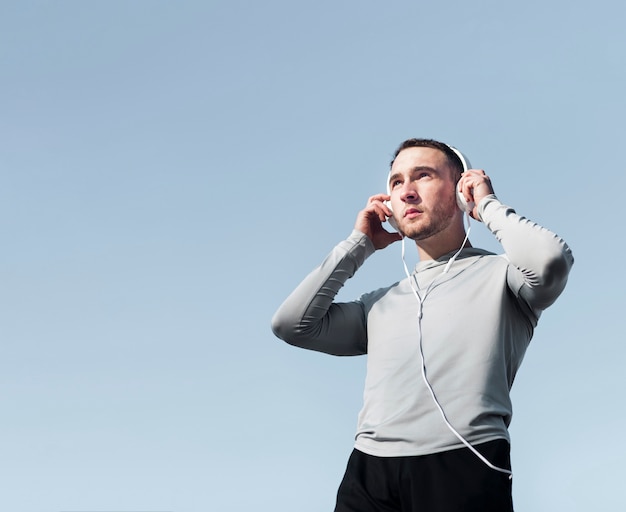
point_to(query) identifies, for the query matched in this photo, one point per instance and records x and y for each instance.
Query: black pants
(451, 481)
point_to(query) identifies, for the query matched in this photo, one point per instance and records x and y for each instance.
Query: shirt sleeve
(310, 319)
(539, 260)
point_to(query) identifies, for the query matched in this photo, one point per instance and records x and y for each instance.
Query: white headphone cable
(420, 301)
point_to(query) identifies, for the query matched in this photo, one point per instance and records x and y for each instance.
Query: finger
(380, 206)
(465, 186)
(378, 198)
(381, 211)
(473, 179)
(475, 176)
(372, 215)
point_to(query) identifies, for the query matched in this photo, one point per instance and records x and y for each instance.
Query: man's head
(422, 189)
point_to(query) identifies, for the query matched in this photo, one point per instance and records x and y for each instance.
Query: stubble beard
(438, 219)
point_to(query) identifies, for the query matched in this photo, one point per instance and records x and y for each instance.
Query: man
(443, 345)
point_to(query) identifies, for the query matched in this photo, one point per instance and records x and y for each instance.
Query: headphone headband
(464, 160)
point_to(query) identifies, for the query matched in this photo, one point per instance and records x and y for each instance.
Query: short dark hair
(453, 158)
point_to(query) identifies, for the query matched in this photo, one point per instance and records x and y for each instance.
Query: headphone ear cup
(391, 219)
(463, 204)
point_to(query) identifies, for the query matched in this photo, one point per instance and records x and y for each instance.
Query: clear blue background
(171, 170)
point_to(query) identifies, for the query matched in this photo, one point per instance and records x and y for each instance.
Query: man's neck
(431, 249)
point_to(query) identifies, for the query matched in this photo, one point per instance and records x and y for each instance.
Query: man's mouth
(412, 213)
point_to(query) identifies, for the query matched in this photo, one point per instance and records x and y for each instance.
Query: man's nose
(408, 193)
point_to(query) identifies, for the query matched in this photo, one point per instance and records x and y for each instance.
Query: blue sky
(169, 171)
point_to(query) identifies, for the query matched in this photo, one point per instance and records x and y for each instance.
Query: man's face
(422, 189)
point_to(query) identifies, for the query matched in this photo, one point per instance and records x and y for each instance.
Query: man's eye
(395, 183)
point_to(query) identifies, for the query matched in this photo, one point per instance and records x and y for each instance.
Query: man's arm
(541, 259)
(309, 318)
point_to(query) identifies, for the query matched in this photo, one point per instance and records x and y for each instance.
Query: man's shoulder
(370, 298)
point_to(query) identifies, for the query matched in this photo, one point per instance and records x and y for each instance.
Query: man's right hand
(370, 222)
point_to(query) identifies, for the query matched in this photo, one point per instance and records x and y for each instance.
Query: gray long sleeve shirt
(472, 324)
